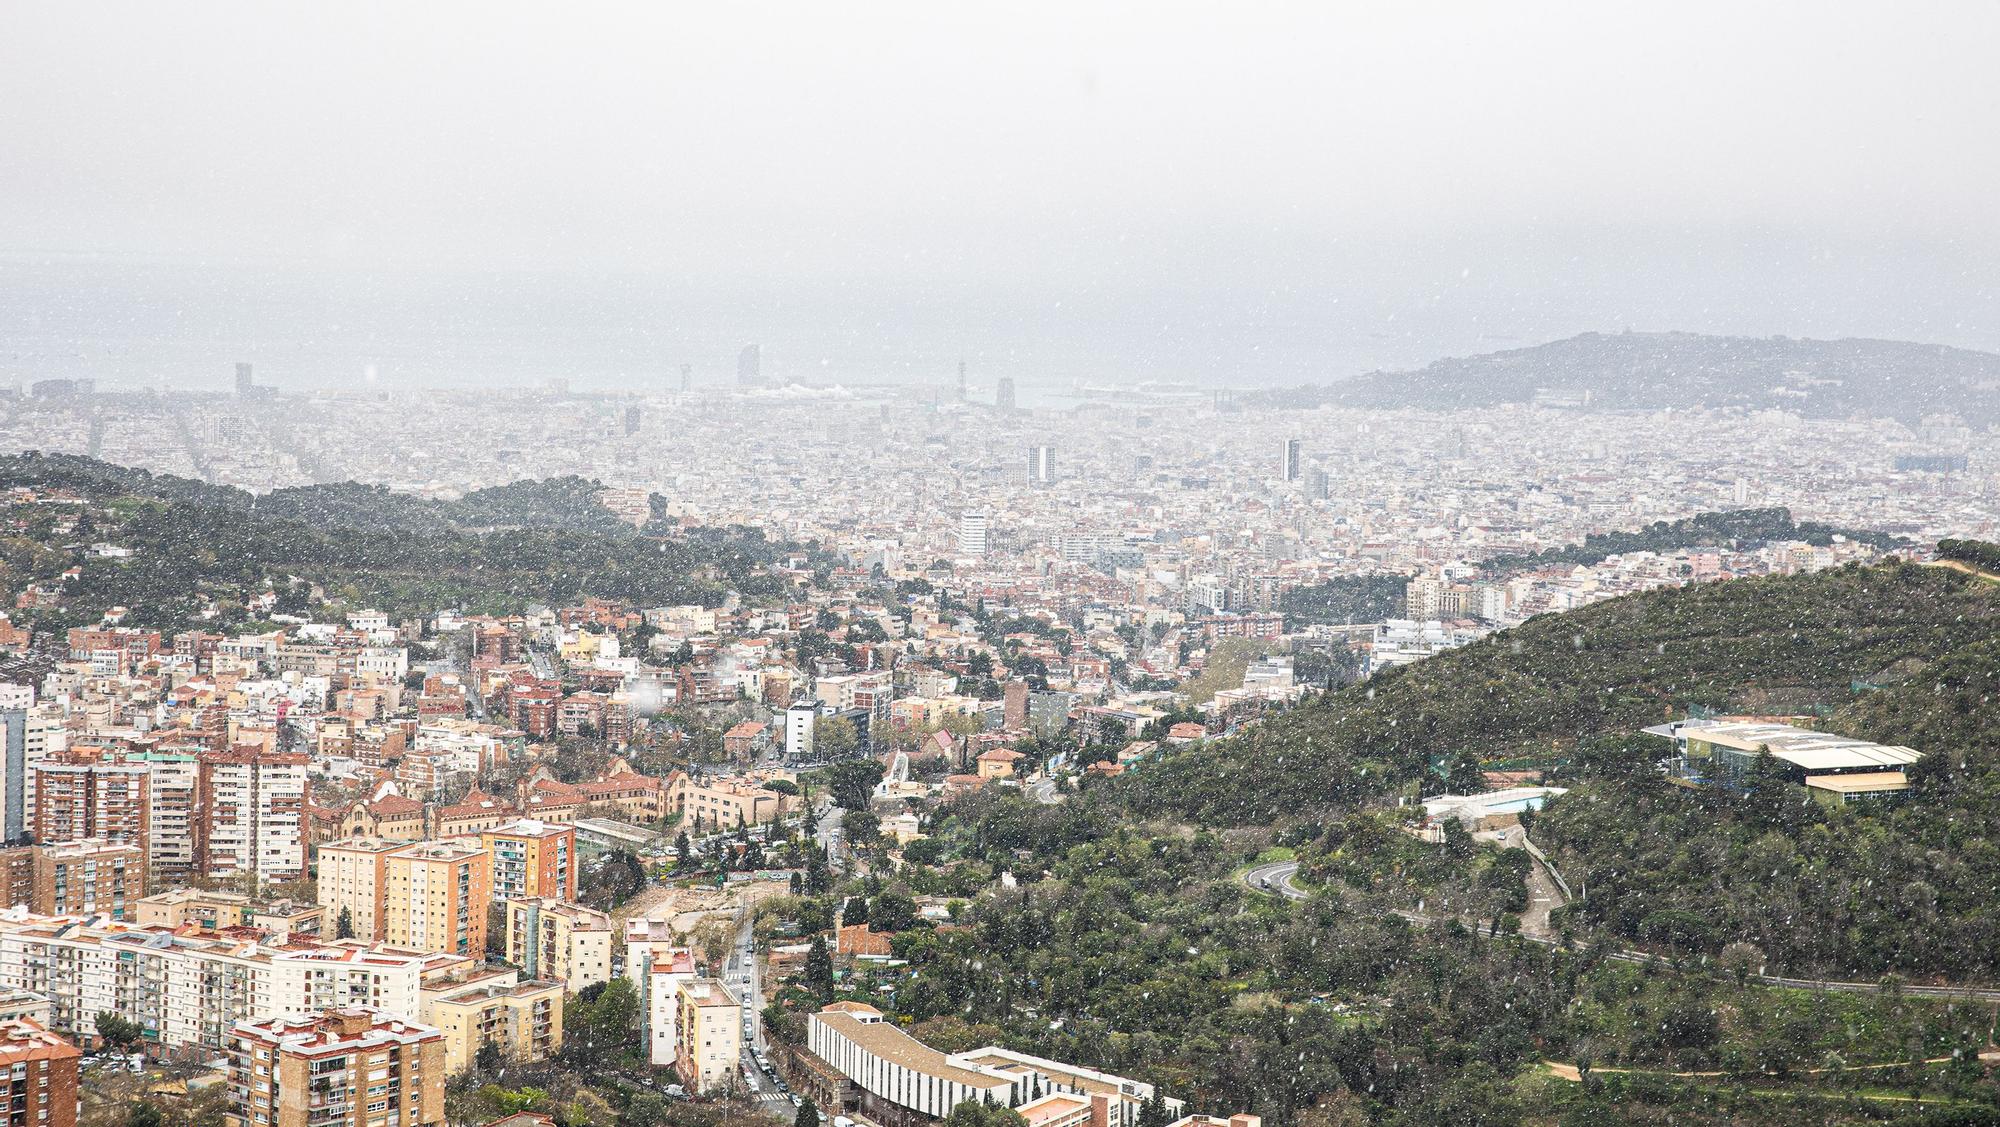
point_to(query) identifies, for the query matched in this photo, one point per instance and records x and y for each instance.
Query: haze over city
(474, 193)
(1031, 565)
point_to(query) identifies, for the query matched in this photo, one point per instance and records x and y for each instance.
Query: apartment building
(353, 882)
(17, 875)
(722, 804)
(84, 794)
(38, 1076)
(661, 971)
(20, 1003)
(186, 991)
(89, 877)
(283, 921)
(524, 1020)
(253, 806)
(710, 1036)
(27, 736)
(532, 858)
(348, 1067)
(553, 939)
(435, 895)
(173, 789)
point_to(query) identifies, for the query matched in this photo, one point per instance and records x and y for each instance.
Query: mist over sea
(133, 323)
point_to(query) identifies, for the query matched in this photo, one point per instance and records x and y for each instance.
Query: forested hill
(1902, 653)
(1777, 644)
(200, 552)
(559, 502)
(1649, 371)
(1736, 528)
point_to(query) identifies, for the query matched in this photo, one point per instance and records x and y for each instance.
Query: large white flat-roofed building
(1726, 751)
(902, 1080)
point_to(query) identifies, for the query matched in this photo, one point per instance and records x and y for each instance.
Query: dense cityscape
(1045, 565)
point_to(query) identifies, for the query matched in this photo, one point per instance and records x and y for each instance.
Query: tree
(343, 926)
(852, 784)
(808, 1115)
(854, 911)
(683, 849)
(715, 936)
(974, 1113)
(646, 1110)
(142, 1113)
(489, 1060)
(1741, 960)
(496, 931)
(118, 1032)
(835, 737)
(893, 911)
(819, 878)
(819, 971)
(600, 1024)
(860, 826)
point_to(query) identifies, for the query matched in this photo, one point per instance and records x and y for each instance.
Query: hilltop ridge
(1659, 370)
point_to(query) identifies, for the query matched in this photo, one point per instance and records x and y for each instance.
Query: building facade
(349, 1067)
(553, 939)
(435, 895)
(710, 1036)
(38, 1075)
(89, 877)
(532, 858)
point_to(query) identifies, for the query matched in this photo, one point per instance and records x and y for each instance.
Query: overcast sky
(1819, 168)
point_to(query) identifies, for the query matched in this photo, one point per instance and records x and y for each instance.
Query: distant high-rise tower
(244, 384)
(1003, 394)
(1741, 495)
(750, 366)
(632, 419)
(687, 378)
(972, 534)
(1041, 465)
(1319, 486)
(961, 381)
(1293, 450)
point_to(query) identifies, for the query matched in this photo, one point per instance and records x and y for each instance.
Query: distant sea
(135, 324)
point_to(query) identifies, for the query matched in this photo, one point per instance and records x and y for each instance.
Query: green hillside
(494, 551)
(1789, 644)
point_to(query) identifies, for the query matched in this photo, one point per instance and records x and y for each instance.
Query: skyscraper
(961, 381)
(1041, 465)
(243, 381)
(1319, 486)
(972, 534)
(1003, 394)
(750, 366)
(687, 378)
(1293, 458)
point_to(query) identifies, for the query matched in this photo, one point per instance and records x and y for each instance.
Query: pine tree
(819, 970)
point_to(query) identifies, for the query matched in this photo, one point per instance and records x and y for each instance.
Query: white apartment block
(256, 805)
(187, 991)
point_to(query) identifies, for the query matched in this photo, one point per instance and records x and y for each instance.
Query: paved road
(1276, 877)
(742, 964)
(1280, 877)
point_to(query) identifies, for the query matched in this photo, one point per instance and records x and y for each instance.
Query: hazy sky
(1431, 174)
